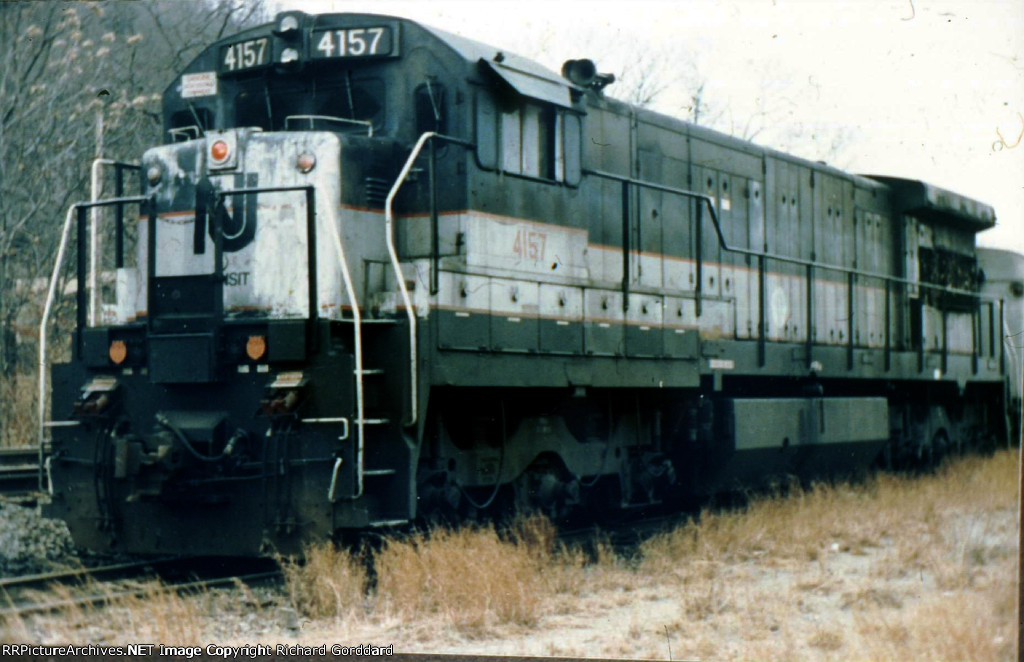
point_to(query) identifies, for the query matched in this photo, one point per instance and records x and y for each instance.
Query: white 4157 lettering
(350, 43)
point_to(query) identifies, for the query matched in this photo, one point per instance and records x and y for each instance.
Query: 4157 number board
(370, 41)
(245, 55)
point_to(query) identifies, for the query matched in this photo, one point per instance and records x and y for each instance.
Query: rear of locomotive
(1004, 280)
(221, 404)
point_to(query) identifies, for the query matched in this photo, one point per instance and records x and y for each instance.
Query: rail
(389, 234)
(78, 208)
(83, 587)
(809, 266)
(19, 471)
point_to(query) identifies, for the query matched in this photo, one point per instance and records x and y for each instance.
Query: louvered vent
(376, 191)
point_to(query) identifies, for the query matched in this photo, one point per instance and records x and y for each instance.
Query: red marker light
(305, 162)
(219, 151)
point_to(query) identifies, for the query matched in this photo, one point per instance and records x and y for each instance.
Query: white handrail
(42, 328)
(48, 306)
(357, 335)
(410, 312)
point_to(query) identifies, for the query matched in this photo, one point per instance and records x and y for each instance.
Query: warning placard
(203, 84)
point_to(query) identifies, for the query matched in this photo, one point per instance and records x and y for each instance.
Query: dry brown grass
(829, 518)
(155, 614)
(958, 626)
(893, 568)
(18, 397)
(331, 581)
(890, 569)
(470, 577)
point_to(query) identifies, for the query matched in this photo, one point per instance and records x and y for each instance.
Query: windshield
(348, 104)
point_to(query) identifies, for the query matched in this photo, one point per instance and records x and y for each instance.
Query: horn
(580, 72)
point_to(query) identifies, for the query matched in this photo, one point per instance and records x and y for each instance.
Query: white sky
(918, 88)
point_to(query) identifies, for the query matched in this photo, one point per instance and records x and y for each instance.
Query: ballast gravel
(31, 543)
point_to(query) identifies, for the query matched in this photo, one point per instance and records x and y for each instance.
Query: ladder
(361, 421)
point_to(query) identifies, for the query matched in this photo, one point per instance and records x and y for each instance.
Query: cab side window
(529, 141)
(529, 138)
(430, 108)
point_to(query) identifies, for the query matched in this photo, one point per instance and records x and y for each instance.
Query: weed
(470, 577)
(18, 411)
(331, 582)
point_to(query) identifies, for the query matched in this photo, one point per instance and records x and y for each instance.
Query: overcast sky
(911, 88)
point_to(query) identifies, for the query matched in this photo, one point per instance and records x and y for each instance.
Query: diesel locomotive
(379, 273)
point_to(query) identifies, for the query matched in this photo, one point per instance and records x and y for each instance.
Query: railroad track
(49, 592)
(19, 471)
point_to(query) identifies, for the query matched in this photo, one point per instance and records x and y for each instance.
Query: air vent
(376, 191)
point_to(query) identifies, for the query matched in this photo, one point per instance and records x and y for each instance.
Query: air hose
(228, 448)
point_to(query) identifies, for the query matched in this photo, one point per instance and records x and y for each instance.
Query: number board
(371, 41)
(245, 55)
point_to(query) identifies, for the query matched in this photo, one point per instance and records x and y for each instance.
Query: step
(344, 422)
(386, 523)
(373, 421)
(379, 472)
(370, 371)
(371, 320)
(61, 424)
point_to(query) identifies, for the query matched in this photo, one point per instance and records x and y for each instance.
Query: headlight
(288, 24)
(289, 55)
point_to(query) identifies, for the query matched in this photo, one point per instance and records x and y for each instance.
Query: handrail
(184, 131)
(357, 350)
(389, 234)
(48, 306)
(330, 118)
(773, 256)
(357, 319)
(763, 256)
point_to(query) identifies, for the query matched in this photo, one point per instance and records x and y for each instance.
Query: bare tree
(76, 77)
(644, 78)
(671, 80)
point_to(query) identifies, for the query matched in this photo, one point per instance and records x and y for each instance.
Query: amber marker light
(118, 352)
(219, 151)
(305, 162)
(256, 348)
